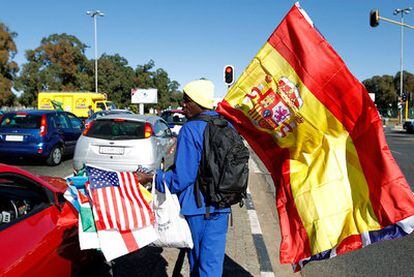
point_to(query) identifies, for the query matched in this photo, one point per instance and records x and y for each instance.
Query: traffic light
(404, 97)
(229, 75)
(374, 18)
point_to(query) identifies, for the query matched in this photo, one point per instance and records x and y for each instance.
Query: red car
(38, 227)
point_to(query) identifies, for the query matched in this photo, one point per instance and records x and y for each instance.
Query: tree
(408, 85)
(384, 89)
(8, 68)
(168, 93)
(115, 78)
(58, 64)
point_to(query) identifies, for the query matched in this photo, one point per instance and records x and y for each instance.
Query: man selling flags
(317, 131)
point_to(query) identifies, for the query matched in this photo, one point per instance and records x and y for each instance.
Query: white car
(124, 141)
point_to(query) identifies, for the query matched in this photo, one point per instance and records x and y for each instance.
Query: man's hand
(144, 178)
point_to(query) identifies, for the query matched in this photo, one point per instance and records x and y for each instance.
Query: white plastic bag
(171, 226)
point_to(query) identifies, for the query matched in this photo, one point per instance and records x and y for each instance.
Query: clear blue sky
(193, 38)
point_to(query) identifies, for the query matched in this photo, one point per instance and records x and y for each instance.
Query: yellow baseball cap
(201, 92)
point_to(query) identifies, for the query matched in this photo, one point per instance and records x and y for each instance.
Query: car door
(165, 142)
(69, 134)
(63, 128)
(32, 240)
(76, 124)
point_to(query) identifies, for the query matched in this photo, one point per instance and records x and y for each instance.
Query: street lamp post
(94, 14)
(402, 12)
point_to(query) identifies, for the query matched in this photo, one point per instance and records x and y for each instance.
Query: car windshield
(20, 121)
(116, 129)
(174, 118)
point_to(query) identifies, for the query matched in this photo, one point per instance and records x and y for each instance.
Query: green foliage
(384, 89)
(8, 68)
(115, 78)
(168, 93)
(387, 91)
(408, 86)
(58, 64)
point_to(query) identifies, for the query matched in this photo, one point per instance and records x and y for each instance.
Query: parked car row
(115, 139)
(33, 208)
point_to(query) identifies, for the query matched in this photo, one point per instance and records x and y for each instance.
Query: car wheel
(55, 156)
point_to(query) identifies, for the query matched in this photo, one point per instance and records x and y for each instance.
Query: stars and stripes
(118, 200)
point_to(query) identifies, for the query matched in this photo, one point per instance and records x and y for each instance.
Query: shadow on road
(231, 268)
(145, 262)
(21, 161)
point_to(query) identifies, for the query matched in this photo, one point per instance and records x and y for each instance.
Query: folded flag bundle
(318, 132)
(114, 214)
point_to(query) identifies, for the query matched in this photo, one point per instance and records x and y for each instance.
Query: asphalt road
(402, 148)
(388, 258)
(40, 168)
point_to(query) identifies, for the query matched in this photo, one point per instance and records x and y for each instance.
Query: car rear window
(116, 129)
(21, 121)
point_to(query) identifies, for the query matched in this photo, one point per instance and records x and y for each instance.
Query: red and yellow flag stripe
(315, 128)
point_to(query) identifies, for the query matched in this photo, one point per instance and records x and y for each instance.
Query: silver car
(124, 141)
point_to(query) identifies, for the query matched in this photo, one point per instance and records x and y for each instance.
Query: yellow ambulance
(75, 102)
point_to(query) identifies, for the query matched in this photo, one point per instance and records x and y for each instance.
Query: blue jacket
(181, 179)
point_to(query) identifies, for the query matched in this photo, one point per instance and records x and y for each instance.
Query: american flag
(118, 200)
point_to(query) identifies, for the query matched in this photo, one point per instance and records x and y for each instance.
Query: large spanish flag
(317, 131)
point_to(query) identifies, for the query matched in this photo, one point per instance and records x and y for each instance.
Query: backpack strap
(216, 120)
(202, 117)
(197, 191)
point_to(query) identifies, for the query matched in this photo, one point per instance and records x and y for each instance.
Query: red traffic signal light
(229, 74)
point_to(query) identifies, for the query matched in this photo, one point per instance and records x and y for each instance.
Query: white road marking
(267, 274)
(254, 167)
(254, 222)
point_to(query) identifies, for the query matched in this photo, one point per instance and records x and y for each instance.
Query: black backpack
(224, 166)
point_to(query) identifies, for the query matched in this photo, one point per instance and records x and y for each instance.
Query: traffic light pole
(396, 22)
(402, 64)
(406, 109)
(374, 21)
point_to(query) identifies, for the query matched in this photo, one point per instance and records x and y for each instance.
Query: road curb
(259, 244)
